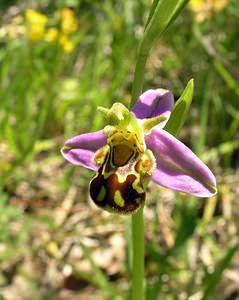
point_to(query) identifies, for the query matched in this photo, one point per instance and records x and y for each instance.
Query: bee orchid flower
(134, 148)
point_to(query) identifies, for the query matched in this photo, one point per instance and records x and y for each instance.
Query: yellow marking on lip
(118, 199)
(101, 195)
(100, 155)
(137, 187)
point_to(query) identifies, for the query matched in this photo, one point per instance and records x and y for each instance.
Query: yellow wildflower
(51, 35)
(52, 248)
(203, 9)
(35, 24)
(68, 21)
(66, 43)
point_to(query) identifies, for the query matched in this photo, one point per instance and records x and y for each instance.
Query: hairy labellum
(118, 184)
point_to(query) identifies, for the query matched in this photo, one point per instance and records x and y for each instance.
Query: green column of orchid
(162, 14)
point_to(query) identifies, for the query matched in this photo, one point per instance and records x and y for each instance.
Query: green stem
(139, 74)
(137, 222)
(161, 15)
(138, 292)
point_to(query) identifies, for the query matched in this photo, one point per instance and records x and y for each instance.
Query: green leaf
(163, 13)
(180, 111)
(152, 11)
(158, 22)
(177, 11)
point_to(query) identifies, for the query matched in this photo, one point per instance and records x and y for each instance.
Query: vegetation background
(59, 60)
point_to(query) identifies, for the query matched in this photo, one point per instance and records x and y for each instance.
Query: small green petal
(148, 124)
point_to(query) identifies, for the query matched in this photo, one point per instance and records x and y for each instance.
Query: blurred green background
(59, 60)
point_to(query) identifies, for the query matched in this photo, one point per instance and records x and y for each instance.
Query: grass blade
(213, 279)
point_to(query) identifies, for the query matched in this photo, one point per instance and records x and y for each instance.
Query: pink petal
(178, 168)
(153, 103)
(80, 149)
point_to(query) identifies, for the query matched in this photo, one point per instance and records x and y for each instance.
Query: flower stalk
(169, 10)
(138, 284)
(137, 221)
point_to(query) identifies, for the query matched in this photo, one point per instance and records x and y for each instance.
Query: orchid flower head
(134, 148)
